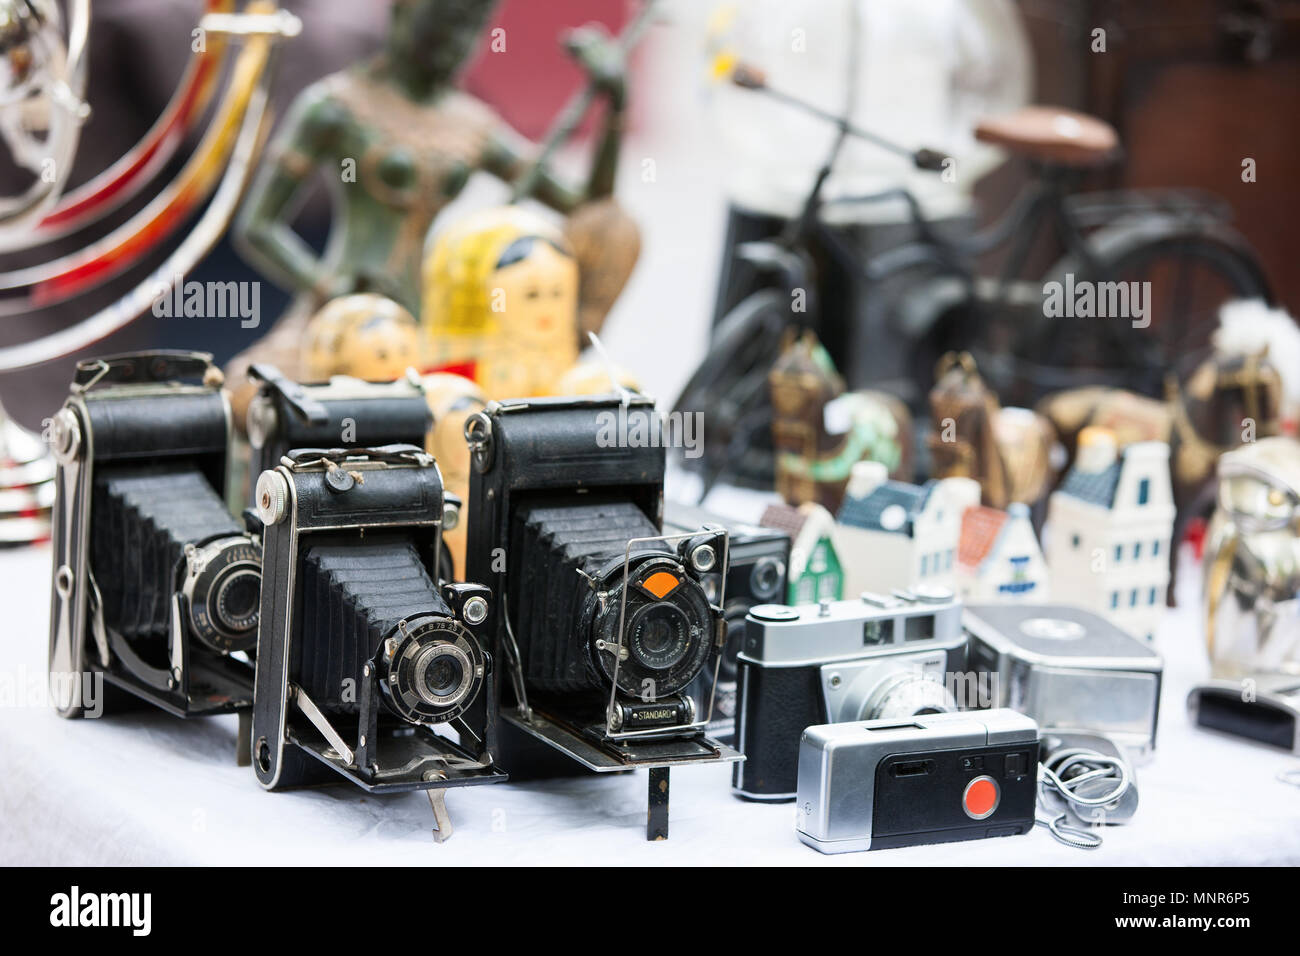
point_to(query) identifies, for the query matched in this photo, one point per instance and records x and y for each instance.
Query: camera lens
(660, 636)
(224, 590)
(442, 675)
(655, 637)
(430, 669)
(908, 695)
(237, 600)
(765, 579)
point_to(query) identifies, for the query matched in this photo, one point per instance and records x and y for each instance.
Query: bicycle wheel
(1184, 272)
(730, 388)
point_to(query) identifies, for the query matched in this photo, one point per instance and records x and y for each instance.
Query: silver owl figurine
(1252, 563)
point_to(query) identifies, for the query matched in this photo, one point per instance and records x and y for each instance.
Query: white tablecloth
(150, 788)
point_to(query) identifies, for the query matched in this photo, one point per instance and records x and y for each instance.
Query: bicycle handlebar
(752, 78)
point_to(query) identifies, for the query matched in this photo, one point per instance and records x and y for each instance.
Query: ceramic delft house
(816, 573)
(999, 559)
(893, 534)
(1108, 531)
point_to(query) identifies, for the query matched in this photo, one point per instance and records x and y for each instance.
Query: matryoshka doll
(452, 399)
(501, 303)
(365, 336)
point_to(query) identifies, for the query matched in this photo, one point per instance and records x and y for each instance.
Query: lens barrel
(223, 585)
(162, 528)
(567, 561)
(430, 670)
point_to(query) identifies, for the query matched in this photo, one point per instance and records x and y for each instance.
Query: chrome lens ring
(216, 589)
(430, 670)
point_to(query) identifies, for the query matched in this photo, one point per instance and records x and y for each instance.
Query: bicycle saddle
(1051, 134)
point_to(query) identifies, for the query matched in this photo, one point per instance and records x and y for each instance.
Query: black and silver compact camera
(603, 621)
(757, 573)
(341, 412)
(934, 778)
(364, 658)
(883, 656)
(155, 582)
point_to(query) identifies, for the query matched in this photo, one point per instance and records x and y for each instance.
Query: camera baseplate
(658, 755)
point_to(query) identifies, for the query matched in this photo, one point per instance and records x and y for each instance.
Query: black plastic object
(920, 798)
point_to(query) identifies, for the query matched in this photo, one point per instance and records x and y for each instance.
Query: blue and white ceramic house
(1108, 531)
(999, 560)
(898, 535)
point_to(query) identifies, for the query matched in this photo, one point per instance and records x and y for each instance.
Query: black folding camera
(364, 658)
(344, 411)
(757, 573)
(341, 412)
(155, 582)
(881, 656)
(603, 622)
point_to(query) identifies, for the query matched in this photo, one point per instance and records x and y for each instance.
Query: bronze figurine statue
(402, 141)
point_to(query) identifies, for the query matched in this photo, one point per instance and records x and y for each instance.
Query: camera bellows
(353, 596)
(566, 568)
(145, 517)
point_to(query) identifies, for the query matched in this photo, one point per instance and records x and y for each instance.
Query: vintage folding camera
(1068, 669)
(603, 621)
(880, 656)
(343, 411)
(365, 661)
(155, 582)
(1265, 709)
(933, 778)
(757, 573)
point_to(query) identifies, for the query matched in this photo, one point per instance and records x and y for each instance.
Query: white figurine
(897, 535)
(1109, 529)
(998, 557)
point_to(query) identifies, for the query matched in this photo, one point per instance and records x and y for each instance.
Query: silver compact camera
(1069, 669)
(882, 656)
(933, 778)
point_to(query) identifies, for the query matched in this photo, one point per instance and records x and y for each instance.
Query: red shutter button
(981, 797)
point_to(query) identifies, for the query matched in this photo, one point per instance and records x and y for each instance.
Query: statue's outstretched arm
(263, 232)
(507, 160)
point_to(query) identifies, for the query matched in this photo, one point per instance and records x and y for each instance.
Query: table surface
(152, 789)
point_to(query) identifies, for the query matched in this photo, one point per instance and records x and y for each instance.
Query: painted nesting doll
(452, 399)
(594, 377)
(501, 303)
(365, 336)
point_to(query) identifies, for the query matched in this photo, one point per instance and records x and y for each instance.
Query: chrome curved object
(42, 100)
(26, 485)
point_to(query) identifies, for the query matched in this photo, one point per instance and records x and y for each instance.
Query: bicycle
(934, 301)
